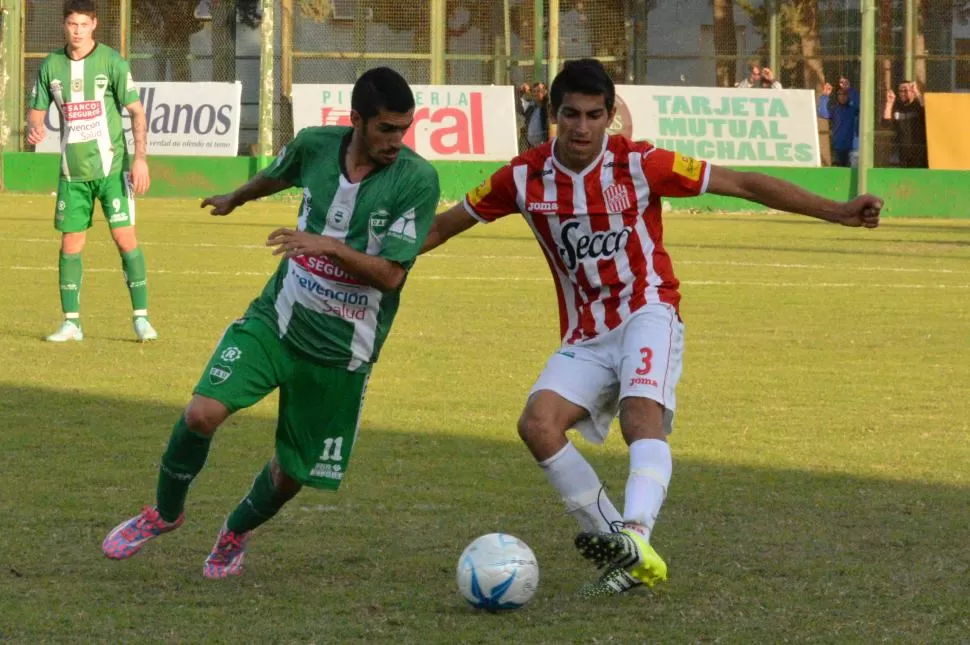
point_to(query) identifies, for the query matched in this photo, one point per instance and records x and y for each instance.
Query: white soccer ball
(498, 571)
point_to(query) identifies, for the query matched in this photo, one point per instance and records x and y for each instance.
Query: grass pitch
(820, 477)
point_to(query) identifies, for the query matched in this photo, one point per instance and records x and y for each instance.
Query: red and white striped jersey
(600, 229)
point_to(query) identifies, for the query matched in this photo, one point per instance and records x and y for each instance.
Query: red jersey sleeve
(671, 174)
(494, 198)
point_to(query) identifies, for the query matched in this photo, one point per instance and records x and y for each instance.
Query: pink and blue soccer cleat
(127, 539)
(227, 555)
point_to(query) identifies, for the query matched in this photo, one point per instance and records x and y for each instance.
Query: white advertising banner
(452, 122)
(729, 126)
(183, 119)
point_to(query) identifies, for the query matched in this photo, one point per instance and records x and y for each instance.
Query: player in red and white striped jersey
(593, 202)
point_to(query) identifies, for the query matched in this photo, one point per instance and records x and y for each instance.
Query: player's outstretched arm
(453, 221)
(258, 186)
(785, 196)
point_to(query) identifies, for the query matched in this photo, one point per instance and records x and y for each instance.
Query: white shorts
(642, 357)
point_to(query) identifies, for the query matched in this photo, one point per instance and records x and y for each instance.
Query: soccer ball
(498, 571)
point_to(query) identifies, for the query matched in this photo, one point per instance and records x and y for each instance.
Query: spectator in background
(843, 117)
(537, 117)
(759, 77)
(845, 84)
(523, 99)
(906, 114)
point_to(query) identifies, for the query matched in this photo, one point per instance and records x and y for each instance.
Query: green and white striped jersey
(90, 94)
(318, 308)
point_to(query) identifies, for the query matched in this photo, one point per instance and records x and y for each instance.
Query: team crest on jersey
(101, 82)
(379, 219)
(617, 198)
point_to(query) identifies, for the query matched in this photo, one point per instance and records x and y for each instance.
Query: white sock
(581, 490)
(650, 469)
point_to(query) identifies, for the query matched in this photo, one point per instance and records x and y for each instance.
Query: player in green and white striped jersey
(89, 84)
(318, 326)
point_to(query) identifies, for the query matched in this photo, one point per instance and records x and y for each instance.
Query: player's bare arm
(786, 196)
(453, 221)
(257, 187)
(140, 179)
(372, 270)
(36, 132)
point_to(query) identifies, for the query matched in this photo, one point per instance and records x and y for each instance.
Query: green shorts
(75, 203)
(319, 409)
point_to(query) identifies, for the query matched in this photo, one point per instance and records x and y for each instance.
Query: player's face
(79, 30)
(582, 120)
(384, 134)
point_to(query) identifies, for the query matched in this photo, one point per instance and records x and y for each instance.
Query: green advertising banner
(737, 127)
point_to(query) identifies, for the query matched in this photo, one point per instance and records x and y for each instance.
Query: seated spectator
(906, 114)
(843, 117)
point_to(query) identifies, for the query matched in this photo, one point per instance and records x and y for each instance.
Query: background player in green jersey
(89, 83)
(319, 324)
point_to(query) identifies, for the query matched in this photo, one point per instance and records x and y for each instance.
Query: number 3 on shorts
(647, 354)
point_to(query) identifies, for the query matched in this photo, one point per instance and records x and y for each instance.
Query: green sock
(70, 271)
(258, 507)
(136, 277)
(182, 461)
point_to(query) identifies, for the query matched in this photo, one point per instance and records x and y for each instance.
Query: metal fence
(662, 42)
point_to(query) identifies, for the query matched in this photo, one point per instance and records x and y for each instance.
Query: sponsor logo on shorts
(231, 354)
(61, 205)
(219, 374)
(643, 380)
(118, 218)
(327, 471)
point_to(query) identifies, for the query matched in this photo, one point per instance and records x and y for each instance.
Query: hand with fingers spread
(221, 204)
(862, 211)
(296, 243)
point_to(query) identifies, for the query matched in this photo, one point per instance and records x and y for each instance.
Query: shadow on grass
(756, 554)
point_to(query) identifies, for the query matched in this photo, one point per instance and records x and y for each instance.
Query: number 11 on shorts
(332, 449)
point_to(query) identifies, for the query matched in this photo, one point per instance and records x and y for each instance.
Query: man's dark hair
(583, 76)
(381, 88)
(83, 7)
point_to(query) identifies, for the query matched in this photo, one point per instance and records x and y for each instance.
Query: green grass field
(821, 478)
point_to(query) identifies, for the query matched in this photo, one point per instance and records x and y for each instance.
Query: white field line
(419, 277)
(434, 255)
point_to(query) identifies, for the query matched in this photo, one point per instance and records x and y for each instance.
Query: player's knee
(204, 415)
(286, 487)
(72, 243)
(125, 239)
(535, 427)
